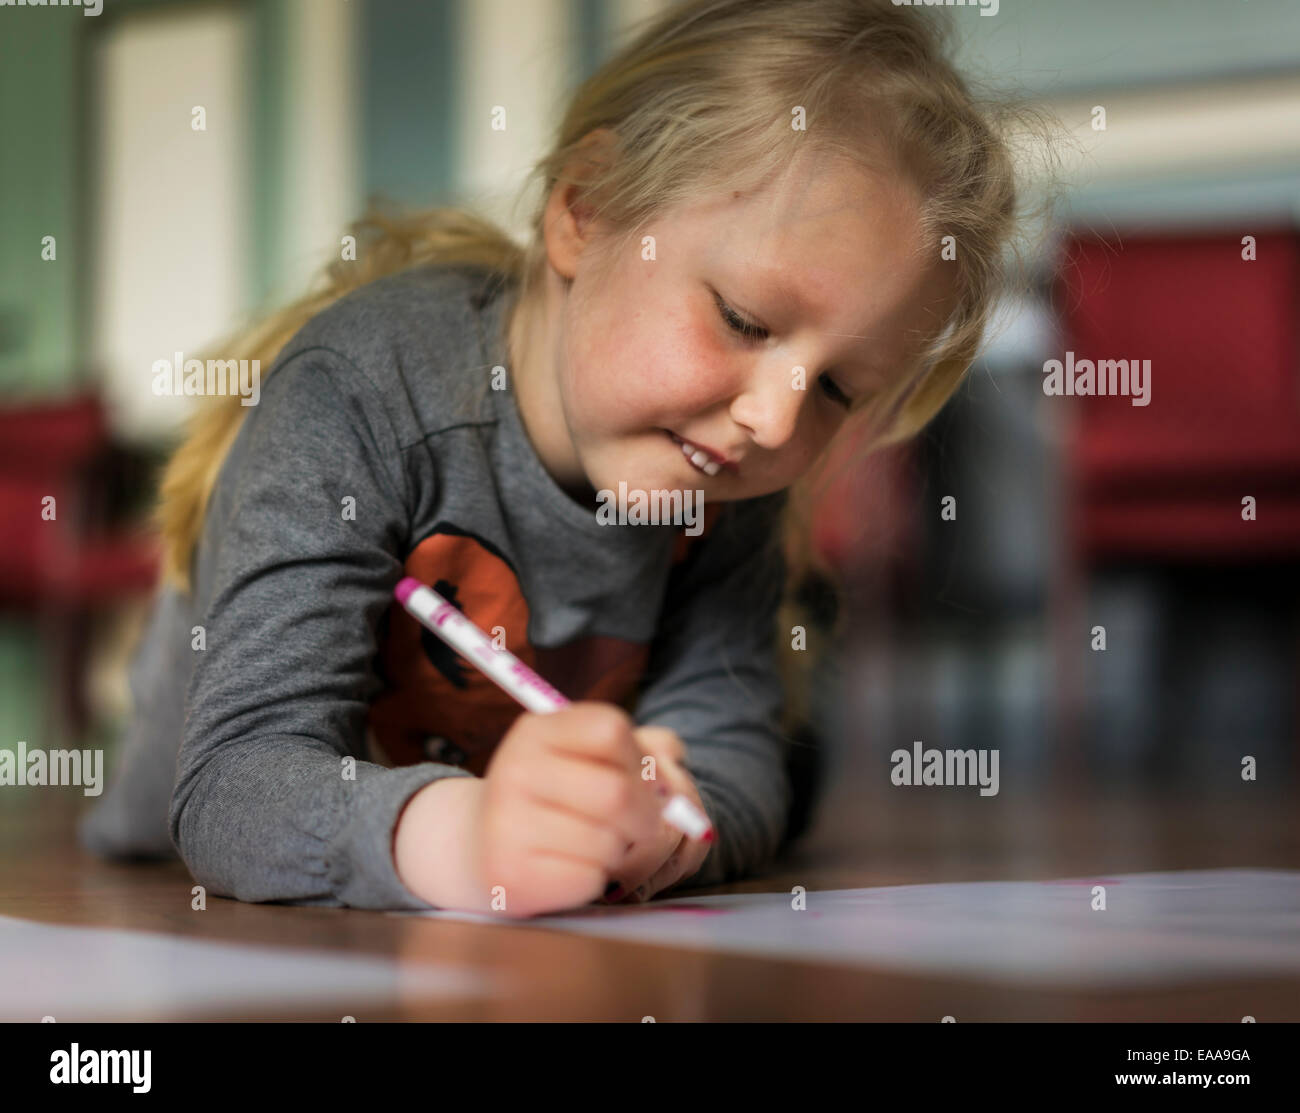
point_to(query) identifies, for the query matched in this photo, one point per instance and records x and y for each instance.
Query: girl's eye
(833, 392)
(738, 324)
(754, 332)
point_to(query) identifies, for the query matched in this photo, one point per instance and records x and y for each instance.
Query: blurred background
(126, 234)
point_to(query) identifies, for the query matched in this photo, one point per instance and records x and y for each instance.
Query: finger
(644, 862)
(690, 853)
(669, 872)
(593, 731)
(595, 791)
(565, 882)
(688, 863)
(681, 864)
(641, 866)
(566, 834)
(676, 781)
(667, 749)
(661, 740)
(659, 770)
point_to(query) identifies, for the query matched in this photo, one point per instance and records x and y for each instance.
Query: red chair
(61, 570)
(1166, 480)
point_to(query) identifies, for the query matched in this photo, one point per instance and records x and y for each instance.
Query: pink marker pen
(517, 679)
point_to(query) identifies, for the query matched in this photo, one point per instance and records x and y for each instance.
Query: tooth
(688, 449)
(700, 458)
(712, 467)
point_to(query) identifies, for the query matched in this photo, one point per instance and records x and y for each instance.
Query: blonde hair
(701, 99)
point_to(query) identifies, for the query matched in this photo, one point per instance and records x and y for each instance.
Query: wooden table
(888, 838)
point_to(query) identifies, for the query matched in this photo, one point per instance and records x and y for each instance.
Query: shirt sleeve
(274, 800)
(713, 678)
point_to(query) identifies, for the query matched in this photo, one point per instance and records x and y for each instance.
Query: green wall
(39, 189)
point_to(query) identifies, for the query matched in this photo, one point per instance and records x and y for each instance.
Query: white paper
(1156, 927)
(80, 973)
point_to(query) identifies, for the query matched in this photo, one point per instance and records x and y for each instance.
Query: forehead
(837, 242)
(808, 208)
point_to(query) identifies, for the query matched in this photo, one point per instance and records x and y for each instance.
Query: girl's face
(697, 335)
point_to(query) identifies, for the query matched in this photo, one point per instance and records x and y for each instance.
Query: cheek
(692, 363)
(645, 359)
(657, 368)
(592, 365)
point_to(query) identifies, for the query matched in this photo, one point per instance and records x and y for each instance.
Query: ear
(569, 224)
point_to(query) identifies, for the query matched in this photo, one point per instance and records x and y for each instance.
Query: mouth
(702, 459)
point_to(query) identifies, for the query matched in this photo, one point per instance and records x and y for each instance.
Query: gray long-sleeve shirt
(287, 709)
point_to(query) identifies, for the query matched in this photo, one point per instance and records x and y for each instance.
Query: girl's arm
(713, 678)
(274, 800)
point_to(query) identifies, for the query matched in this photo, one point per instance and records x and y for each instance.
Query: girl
(739, 254)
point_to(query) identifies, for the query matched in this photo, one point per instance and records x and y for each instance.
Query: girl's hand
(654, 864)
(561, 801)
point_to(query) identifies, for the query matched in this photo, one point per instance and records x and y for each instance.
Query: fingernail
(612, 890)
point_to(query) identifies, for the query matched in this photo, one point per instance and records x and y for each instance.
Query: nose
(769, 405)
